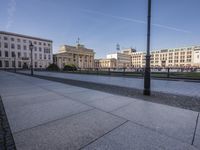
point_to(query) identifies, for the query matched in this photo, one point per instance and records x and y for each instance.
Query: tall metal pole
(31, 61)
(31, 48)
(147, 75)
(15, 63)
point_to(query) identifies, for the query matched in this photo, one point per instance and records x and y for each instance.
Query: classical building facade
(78, 55)
(15, 52)
(183, 57)
(122, 60)
(105, 63)
(116, 60)
(173, 57)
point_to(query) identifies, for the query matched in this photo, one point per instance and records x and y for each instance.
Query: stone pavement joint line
(103, 135)
(61, 116)
(195, 130)
(6, 137)
(52, 121)
(182, 101)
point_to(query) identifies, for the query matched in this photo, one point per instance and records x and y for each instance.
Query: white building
(172, 57)
(78, 55)
(14, 49)
(122, 60)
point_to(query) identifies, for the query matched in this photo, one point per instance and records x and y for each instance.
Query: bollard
(168, 72)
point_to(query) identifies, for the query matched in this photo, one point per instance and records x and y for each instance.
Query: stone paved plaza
(173, 87)
(47, 115)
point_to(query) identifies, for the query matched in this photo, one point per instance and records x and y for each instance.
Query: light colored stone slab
(14, 102)
(175, 122)
(22, 90)
(197, 136)
(134, 137)
(29, 116)
(68, 134)
(68, 91)
(174, 87)
(89, 96)
(197, 141)
(111, 103)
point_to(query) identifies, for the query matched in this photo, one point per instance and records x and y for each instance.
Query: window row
(25, 47)
(25, 55)
(26, 41)
(18, 64)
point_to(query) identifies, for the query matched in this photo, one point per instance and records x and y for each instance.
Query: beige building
(173, 57)
(116, 60)
(14, 51)
(105, 63)
(78, 55)
(122, 60)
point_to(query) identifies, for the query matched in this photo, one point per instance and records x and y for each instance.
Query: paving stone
(89, 96)
(70, 133)
(68, 91)
(175, 122)
(197, 136)
(14, 102)
(134, 137)
(29, 116)
(174, 87)
(22, 90)
(197, 141)
(111, 103)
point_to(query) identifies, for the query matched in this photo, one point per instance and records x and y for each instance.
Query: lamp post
(31, 48)
(15, 62)
(147, 75)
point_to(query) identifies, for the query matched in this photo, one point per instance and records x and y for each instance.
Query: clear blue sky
(101, 24)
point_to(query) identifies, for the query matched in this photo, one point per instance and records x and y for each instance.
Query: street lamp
(15, 62)
(147, 75)
(31, 48)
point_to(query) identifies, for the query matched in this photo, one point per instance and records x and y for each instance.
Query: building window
(24, 41)
(40, 49)
(35, 42)
(13, 46)
(6, 63)
(18, 40)
(13, 54)
(19, 54)
(0, 63)
(19, 64)
(35, 48)
(18, 47)
(5, 38)
(35, 56)
(25, 55)
(50, 57)
(13, 64)
(12, 39)
(40, 56)
(0, 53)
(36, 65)
(25, 48)
(45, 57)
(5, 45)
(44, 44)
(40, 43)
(6, 53)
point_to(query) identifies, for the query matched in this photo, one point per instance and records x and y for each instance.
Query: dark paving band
(186, 102)
(6, 137)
